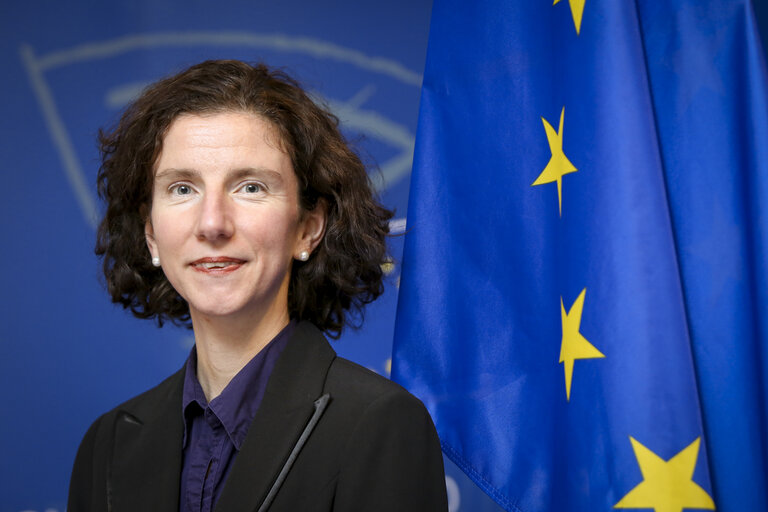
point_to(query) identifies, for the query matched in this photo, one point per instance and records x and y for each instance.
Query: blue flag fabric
(583, 297)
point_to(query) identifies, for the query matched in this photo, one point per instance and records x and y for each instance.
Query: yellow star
(667, 486)
(574, 345)
(559, 164)
(577, 9)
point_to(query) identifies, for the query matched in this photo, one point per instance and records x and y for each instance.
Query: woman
(234, 204)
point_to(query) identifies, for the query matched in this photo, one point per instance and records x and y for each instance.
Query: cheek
(168, 232)
(273, 230)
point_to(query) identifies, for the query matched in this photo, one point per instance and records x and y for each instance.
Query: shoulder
(154, 400)
(374, 411)
(369, 391)
(388, 443)
(356, 392)
(88, 488)
(143, 406)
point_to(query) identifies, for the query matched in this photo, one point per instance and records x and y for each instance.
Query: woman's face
(225, 219)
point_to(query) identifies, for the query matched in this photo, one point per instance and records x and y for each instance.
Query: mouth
(217, 265)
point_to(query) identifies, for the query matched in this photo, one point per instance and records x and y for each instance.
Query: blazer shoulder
(89, 486)
(154, 399)
(390, 457)
(139, 405)
(350, 378)
(364, 394)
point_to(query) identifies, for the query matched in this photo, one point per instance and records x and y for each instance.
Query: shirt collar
(237, 404)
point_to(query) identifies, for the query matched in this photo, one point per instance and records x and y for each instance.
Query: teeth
(215, 265)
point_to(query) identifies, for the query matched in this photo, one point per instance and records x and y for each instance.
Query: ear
(312, 228)
(149, 235)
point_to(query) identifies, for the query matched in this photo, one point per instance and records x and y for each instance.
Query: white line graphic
(60, 138)
(304, 45)
(350, 112)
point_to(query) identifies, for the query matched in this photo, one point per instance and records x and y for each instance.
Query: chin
(221, 304)
(214, 309)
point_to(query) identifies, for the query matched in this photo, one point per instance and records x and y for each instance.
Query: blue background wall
(66, 353)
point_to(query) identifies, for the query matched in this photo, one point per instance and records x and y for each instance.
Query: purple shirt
(215, 431)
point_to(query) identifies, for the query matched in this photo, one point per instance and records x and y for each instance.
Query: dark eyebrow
(238, 174)
(257, 172)
(176, 173)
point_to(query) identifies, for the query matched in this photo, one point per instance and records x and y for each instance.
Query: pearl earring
(303, 255)
(156, 261)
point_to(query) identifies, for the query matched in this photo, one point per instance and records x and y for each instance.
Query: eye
(252, 188)
(180, 189)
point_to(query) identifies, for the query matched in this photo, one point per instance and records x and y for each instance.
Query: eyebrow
(176, 173)
(236, 174)
(267, 174)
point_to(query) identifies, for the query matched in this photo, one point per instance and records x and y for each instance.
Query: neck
(226, 345)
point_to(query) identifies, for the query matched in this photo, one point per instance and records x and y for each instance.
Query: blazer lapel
(146, 460)
(296, 382)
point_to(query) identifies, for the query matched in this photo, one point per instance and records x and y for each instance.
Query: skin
(226, 224)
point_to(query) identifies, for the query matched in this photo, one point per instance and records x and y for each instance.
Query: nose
(214, 220)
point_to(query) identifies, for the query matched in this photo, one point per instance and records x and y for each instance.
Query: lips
(217, 265)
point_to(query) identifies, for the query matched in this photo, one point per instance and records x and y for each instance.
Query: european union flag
(584, 296)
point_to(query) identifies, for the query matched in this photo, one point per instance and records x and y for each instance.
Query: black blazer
(372, 448)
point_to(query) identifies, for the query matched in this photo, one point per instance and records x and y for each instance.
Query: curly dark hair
(343, 274)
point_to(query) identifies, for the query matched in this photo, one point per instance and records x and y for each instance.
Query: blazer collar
(145, 468)
(296, 382)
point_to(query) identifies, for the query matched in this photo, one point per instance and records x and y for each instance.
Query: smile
(216, 264)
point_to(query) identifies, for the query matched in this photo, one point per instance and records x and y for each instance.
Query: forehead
(221, 138)
(234, 126)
